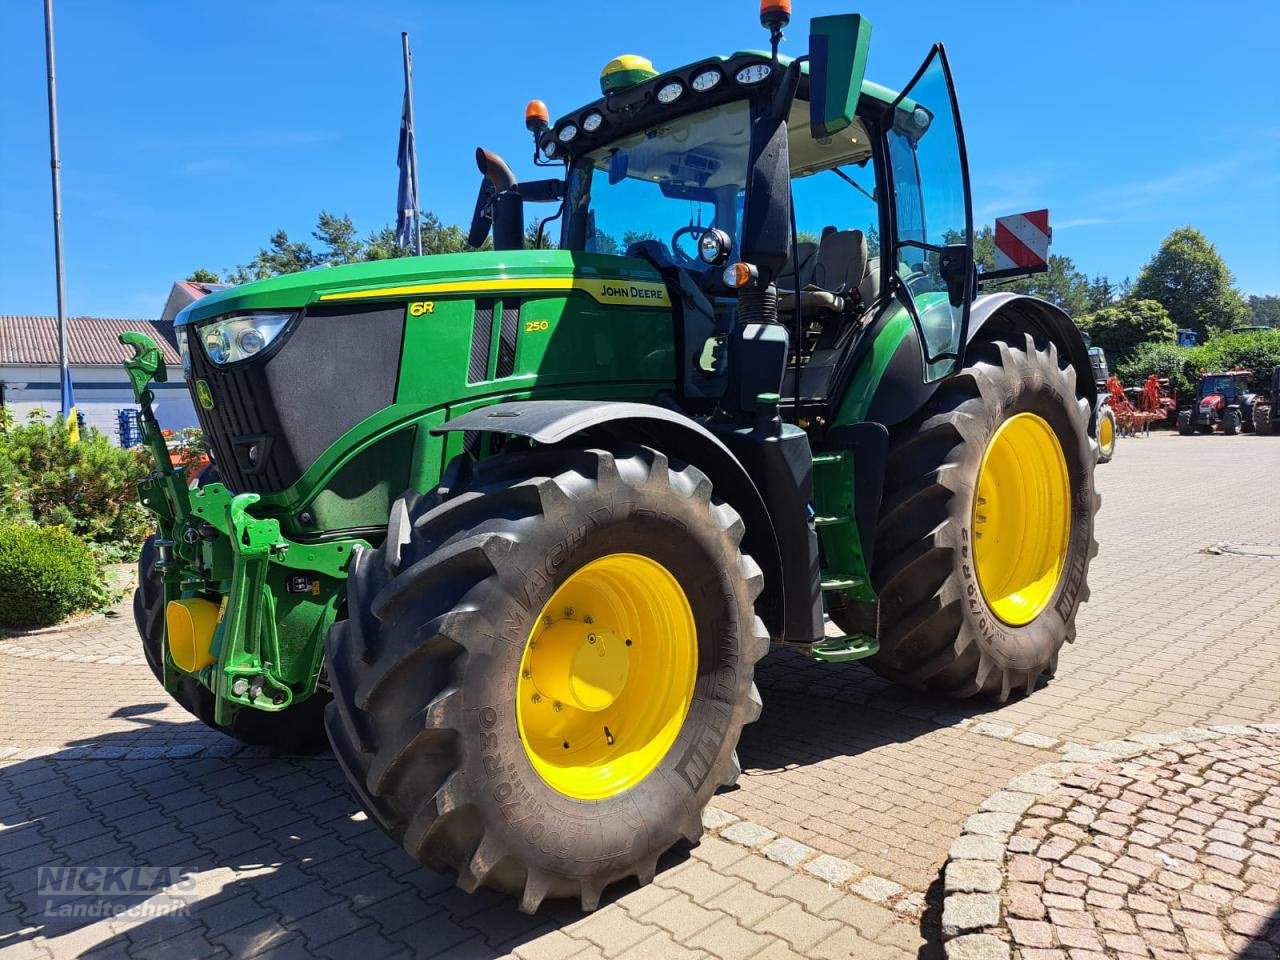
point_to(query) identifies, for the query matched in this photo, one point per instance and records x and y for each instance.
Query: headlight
(670, 92)
(591, 122)
(241, 337)
(183, 351)
(753, 73)
(706, 80)
(567, 132)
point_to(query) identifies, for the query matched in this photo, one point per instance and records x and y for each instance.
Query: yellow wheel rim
(607, 677)
(1106, 434)
(1021, 519)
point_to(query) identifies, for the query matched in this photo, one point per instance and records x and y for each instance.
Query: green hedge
(46, 574)
(1257, 352)
(88, 487)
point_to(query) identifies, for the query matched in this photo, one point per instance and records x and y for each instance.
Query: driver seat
(838, 272)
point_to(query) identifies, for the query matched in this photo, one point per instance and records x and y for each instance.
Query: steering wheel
(682, 258)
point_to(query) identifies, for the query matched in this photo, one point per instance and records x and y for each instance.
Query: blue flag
(69, 406)
(407, 200)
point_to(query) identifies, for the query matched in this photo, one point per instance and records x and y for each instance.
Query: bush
(46, 574)
(1257, 352)
(88, 487)
(1123, 328)
(1162, 359)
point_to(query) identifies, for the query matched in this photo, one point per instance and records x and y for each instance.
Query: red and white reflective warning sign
(1022, 240)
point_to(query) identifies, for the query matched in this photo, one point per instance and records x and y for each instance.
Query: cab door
(932, 257)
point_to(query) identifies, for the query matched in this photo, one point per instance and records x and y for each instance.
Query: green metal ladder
(833, 491)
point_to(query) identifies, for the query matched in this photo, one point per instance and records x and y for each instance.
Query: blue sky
(190, 131)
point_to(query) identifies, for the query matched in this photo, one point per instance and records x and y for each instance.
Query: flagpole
(413, 154)
(56, 166)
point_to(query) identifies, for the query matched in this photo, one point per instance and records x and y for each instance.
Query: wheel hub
(576, 664)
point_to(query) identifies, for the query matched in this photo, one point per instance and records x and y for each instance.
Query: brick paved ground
(1169, 849)
(108, 772)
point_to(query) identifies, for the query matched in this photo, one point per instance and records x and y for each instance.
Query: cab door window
(932, 212)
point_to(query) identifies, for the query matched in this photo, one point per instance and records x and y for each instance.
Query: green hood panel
(361, 280)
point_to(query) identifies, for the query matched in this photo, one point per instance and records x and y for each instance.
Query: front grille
(332, 368)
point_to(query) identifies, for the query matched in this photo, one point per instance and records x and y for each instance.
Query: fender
(550, 422)
(902, 392)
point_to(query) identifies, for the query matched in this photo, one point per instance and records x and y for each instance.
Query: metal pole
(413, 152)
(56, 166)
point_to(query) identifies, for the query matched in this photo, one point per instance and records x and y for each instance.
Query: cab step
(841, 581)
(856, 646)
(827, 521)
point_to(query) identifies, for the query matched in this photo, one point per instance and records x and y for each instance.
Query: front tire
(1185, 427)
(460, 714)
(1106, 434)
(1231, 423)
(297, 730)
(958, 616)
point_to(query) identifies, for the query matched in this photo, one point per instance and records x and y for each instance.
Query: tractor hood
(608, 279)
(1213, 401)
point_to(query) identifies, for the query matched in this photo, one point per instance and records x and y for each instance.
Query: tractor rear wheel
(1231, 423)
(986, 532)
(298, 729)
(1106, 434)
(1185, 427)
(544, 676)
(1262, 423)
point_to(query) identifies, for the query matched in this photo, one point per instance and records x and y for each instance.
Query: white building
(29, 374)
(29, 377)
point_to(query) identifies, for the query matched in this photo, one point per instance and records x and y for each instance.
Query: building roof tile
(90, 340)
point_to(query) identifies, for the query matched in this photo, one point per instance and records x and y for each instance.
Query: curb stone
(971, 928)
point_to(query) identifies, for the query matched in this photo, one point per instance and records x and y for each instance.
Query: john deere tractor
(521, 522)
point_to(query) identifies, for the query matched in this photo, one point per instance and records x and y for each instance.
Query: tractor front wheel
(543, 677)
(1106, 434)
(1185, 427)
(985, 537)
(299, 729)
(1231, 423)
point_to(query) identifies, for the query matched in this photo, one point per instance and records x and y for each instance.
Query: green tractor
(521, 522)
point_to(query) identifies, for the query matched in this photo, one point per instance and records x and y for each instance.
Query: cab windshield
(1220, 384)
(664, 185)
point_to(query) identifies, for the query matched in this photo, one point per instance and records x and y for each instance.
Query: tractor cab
(770, 190)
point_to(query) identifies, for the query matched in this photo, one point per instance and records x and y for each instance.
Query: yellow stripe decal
(613, 292)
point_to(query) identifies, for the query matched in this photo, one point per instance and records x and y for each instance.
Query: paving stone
(789, 852)
(748, 834)
(972, 876)
(964, 912)
(833, 870)
(977, 946)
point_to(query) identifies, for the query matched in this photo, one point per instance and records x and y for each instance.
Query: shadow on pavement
(280, 857)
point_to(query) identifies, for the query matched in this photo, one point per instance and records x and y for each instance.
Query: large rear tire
(1262, 423)
(448, 716)
(296, 730)
(1001, 452)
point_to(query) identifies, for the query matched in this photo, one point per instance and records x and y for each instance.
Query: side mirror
(837, 63)
(956, 269)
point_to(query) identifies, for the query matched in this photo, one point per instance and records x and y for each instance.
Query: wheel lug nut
(588, 619)
(568, 611)
(557, 707)
(537, 698)
(591, 638)
(526, 674)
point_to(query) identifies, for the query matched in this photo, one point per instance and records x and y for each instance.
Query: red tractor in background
(1221, 399)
